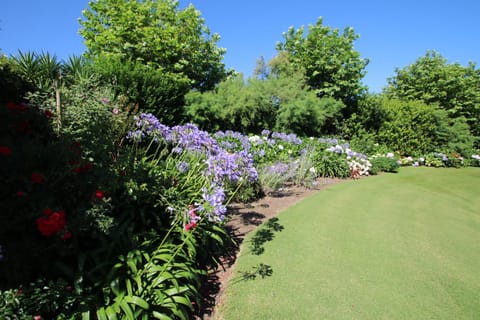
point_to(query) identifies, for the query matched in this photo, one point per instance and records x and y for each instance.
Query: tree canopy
(331, 64)
(452, 87)
(155, 33)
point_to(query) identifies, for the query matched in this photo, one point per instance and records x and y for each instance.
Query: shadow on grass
(264, 234)
(211, 287)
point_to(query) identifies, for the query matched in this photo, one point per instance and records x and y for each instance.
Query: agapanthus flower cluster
(356, 160)
(147, 125)
(288, 138)
(279, 168)
(232, 140)
(222, 165)
(231, 166)
(214, 202)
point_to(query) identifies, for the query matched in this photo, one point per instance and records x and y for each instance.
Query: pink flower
(190, 226)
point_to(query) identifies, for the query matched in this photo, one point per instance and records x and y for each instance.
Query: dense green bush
(12, 84)
(309, 115)
(331, 165)
(155, 90)
(383, 164)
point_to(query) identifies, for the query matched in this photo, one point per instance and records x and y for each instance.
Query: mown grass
(394, 246)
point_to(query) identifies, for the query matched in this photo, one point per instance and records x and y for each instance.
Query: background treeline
(312, 87)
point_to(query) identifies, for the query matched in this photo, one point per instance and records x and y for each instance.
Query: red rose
(67, 235)
(6, 151)
(21, 193)
(48, 211)
(37, 178)
(52, 223)
(46, 226)
(99, 194)
(48, 114)
(16, 107)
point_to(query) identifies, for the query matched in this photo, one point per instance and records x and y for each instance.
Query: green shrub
(383, 164)
(153, 89)
(331, 165)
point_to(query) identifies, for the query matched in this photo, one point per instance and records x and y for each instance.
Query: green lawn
(394, 246)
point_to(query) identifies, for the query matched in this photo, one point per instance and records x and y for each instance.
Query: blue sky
(392, 33)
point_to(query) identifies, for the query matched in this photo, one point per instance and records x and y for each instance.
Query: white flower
(312, 170)
(254, 138)
(280, 147)
(390, 155)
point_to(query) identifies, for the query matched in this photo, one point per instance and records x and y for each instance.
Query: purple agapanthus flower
(183, 166)
(215, 198)
(289, 138)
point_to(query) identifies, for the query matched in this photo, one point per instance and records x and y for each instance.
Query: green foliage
(13, 85)
(273, 177)
(410, 126)
(234, 105)
(11, 306)
(147, 286)
(331, 65)
(452, 87)
(283, 103)
(157, 34)
(309, 115)
(330, 164)
(383, 164)
(154, 90)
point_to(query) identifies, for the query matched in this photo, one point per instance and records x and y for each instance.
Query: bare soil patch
(244, 218)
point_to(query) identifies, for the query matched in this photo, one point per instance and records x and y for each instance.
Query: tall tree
(432, 80)
(155, 33)
(327, 57)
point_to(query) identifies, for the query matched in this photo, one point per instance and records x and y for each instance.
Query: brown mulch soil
(244, 218)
